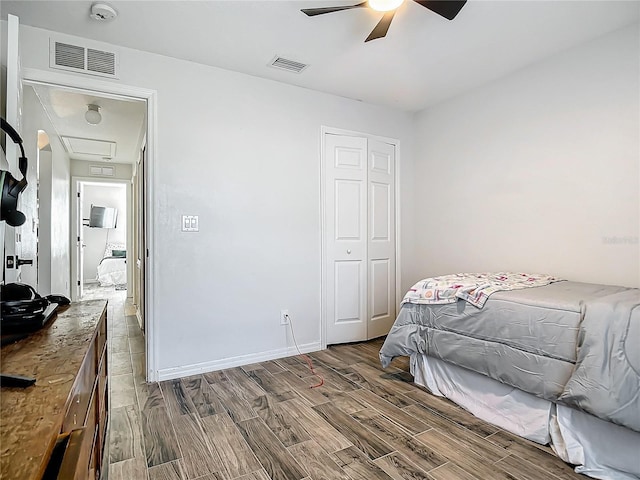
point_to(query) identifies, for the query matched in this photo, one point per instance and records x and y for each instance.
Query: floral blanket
(474, 288)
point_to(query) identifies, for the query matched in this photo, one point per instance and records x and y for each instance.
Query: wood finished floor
(262, 422)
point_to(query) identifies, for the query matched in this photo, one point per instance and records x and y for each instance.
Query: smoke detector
(103, 12)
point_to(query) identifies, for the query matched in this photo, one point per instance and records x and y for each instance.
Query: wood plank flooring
(263, 422)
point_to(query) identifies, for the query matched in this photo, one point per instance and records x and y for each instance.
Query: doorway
(101, 89)
(359, 236)
(102, 225)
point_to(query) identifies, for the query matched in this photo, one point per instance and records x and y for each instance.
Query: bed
(112, 269)
(555, 361)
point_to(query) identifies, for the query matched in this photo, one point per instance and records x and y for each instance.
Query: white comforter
(112, 271)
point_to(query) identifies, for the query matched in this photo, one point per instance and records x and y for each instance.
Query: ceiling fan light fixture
(92, 115)
(385, 5)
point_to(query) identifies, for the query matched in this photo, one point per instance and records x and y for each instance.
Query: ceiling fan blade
(445, 8)
(382, 27)
(312, 12)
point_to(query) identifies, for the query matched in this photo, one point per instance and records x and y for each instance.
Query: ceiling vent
(98, 171)
(76, 58)
(288, 65)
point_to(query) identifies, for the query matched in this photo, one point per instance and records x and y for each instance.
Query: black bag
(23, 310)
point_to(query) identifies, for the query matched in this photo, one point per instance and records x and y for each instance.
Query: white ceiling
(123, 121)
(423, 60)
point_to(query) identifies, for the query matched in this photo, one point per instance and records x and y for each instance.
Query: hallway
(126, 380)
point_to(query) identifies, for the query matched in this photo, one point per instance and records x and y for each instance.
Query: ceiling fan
(445, 8)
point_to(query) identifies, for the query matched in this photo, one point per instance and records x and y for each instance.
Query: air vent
(98, 171)
(288, 65)
(101, 62)
(77, 58)
(70, 56)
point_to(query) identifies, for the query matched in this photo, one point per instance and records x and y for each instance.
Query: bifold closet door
(381, 247)
(346, 238)
(359, 238)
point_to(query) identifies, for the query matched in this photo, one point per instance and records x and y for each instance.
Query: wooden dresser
(56, 428)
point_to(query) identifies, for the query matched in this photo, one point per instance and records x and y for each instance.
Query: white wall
(95, 239)
(45, 168)
(538, 171)
(243, 154)
(60, 232)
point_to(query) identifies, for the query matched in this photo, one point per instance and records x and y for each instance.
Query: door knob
(22, 261)
(348, 252)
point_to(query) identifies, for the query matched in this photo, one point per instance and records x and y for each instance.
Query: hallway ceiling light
(92, 115)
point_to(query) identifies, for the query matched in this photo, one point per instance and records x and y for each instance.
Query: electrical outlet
(284, 317)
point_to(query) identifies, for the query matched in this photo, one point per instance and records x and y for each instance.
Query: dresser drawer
(103, 401)
(75, 461)
(101, 343)
(81, 393)
(93, 444)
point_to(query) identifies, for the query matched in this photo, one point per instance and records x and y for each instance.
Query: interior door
(360, 265)
(29, 231)
(141, 247)
(346, 238)
(381, 238)
(12, 235)
(80, 240)
(139, 242)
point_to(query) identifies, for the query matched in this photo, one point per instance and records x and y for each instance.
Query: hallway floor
(126, 371)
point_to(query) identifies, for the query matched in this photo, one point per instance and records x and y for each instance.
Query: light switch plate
(190, 223)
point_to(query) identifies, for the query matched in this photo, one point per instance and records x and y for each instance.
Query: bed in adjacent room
(112, 269)
(553, 361)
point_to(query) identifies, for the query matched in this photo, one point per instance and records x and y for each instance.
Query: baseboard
(139, 318)
(187, 370)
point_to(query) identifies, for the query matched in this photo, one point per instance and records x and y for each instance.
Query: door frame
(12, 247)
(75, 221)
(118, 90)
(326, 130)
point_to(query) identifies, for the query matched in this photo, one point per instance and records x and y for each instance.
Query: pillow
(111, 246)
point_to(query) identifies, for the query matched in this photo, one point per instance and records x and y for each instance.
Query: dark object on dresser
(23, 310)
(18, 381)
